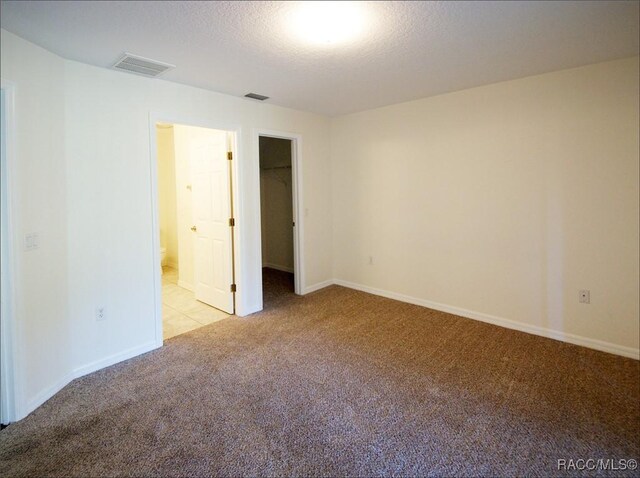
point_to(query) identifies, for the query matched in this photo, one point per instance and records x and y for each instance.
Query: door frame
(297, 195)
(236, 130)
(8, 361)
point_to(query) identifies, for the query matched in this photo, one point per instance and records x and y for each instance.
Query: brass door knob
(193, 228)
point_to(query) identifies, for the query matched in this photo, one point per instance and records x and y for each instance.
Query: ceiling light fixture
(328, 22)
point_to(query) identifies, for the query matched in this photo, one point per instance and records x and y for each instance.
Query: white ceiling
(408, 50)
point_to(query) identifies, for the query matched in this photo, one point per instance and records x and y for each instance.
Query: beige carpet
(337, 383)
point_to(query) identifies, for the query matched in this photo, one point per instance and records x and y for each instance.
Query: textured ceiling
(407, 50)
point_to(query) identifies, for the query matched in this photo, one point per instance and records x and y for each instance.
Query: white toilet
(163, 256)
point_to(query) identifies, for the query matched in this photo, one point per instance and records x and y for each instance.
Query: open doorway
(195, 222)
(278, 217)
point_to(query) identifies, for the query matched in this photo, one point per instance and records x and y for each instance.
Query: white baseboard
(630, 352)
(114, 359)
(46, 394)
(185, 285)
(278, 267)
(318, 286)
(502, 322)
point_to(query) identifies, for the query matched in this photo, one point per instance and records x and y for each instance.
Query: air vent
(142, 66)
(256, 96)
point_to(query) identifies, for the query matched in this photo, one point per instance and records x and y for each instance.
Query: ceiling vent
(142, 66)
(256, 96)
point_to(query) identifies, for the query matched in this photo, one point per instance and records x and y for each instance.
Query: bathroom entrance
(196, 226)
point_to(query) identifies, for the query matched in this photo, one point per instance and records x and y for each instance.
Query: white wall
(167, 202)
(123, 202)
(84, 182)
(500, 202)
(39, 200)
(276, 203)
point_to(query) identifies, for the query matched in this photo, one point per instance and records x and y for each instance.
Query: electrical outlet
(584, 296)
(101, 313)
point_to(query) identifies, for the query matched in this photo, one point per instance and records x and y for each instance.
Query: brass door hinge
(232, 222)
(233, 287)
(229, 155)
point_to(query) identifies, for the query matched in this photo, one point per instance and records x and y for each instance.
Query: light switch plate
(31, 241)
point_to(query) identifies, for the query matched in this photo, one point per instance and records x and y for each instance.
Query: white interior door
(212, 211)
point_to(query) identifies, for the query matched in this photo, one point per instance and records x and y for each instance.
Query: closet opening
(278, 211)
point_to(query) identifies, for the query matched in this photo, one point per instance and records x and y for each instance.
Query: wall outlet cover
(101, 313)
(584, 296)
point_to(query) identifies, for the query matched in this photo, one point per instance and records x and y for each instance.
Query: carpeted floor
(337, 383)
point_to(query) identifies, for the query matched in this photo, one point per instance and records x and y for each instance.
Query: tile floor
(181, 312)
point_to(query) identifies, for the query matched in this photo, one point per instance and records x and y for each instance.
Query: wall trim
(114, 359)
(278, 267)
(11, 386)
(91, 367)
(238, 189)
(318, 286)
(43, 396)
(500, 321)
(297, 191)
